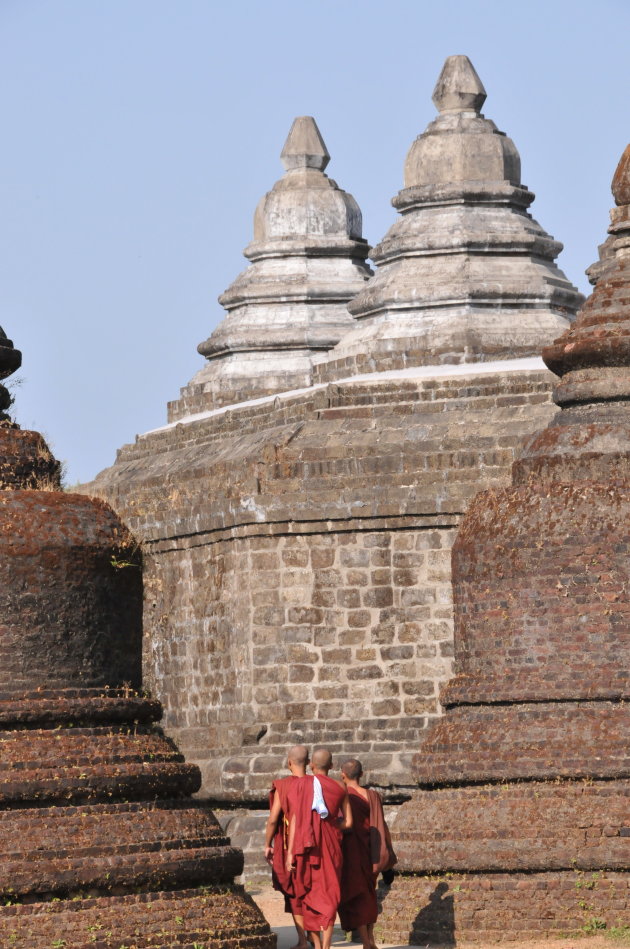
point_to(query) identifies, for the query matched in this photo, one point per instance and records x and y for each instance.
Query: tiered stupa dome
(100, 841)
(527, 776)
(307, 261)
(465, 274)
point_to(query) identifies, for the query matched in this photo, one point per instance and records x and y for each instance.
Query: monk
(320, 813)
(367, 849)
(277, 837)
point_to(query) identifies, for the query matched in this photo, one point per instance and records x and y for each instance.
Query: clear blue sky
(138, 136)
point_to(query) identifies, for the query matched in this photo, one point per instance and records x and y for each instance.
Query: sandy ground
(272, 906)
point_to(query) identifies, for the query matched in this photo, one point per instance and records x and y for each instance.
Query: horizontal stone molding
(607, 684)
(475, 744)
(308, 528)
(56, 708)
(221, 916)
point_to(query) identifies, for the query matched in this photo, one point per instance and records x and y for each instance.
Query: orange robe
(316, 880)
(280, 876)
(358, 880)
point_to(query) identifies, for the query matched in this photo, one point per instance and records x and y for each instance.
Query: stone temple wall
(306, 632)
(310, 598)
(297, 570)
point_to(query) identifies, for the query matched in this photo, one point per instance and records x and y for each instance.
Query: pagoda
(521, 827)
(101, 842)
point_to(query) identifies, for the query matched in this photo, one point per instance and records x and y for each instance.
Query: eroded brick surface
(216, 916)
(489, 908)
(533, 825)
(70, 593)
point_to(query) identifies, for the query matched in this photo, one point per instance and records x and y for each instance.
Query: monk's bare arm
(272, 826)
(346, 821)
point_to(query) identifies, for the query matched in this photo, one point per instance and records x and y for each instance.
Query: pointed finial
(10, 357)
(10, 360)
(621, 180)
(459, 88)
(304, 147)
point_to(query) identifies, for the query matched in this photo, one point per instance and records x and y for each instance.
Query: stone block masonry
(341, 638)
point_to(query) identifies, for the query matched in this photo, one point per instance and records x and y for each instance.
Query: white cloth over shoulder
(318, 800)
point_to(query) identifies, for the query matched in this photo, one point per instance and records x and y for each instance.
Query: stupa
(526, 779)
(100, 842)
(307, 261)
(465, 274)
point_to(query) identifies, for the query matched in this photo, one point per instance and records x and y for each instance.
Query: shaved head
(298, 754)
(352, 768)
(322, 759)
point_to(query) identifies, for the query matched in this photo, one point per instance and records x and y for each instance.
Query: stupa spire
(465, 274)
(592, 359)
(621, 181)
(618, 236)
(459, 88)
(10, 360)
(304, 147)
(307, 261)
(26, 462)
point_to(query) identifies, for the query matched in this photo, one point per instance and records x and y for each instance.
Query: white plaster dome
(304, 203)
(477, 151)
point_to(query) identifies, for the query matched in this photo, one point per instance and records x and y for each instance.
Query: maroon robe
(317, 852)
(358, 880)
(383, 856)
(280, 876)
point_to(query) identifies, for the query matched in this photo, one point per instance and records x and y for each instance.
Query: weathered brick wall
(458, 908)
(532, 825)
(224, 916)
(509, 862)
(83, 627)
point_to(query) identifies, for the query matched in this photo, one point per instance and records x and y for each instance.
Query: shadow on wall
(435, 923)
